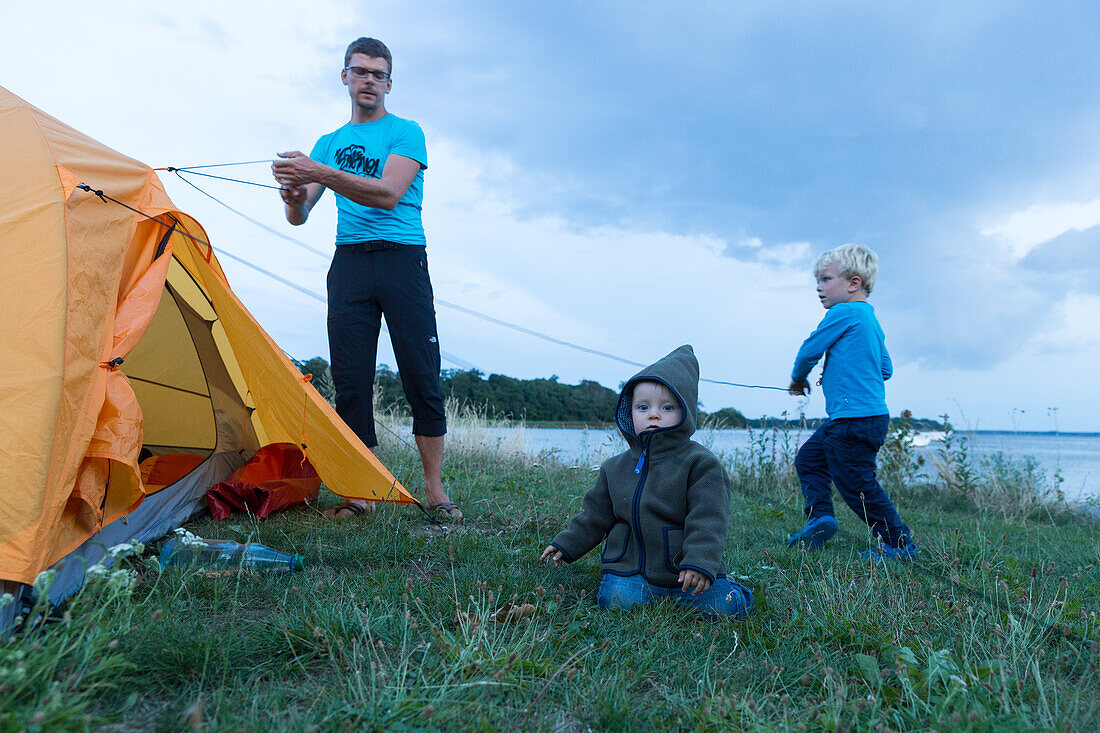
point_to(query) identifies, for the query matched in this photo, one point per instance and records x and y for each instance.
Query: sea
(1074, 458)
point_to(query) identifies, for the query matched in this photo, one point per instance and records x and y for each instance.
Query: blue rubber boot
(815, 534)
(882, 553)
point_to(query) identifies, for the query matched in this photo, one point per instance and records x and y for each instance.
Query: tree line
(540, 401)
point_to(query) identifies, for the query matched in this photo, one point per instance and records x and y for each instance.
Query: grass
(392, 625)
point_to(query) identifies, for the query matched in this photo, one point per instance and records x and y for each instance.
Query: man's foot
(446, 510)
(350, 508)
(815, 534)
(884, 552)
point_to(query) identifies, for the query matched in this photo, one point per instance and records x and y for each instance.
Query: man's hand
(298, 175)
(554, 554)
(692, 579)
(799, 388)
(293, 195)
(296, 169)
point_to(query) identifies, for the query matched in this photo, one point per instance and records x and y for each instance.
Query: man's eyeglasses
(360, 73)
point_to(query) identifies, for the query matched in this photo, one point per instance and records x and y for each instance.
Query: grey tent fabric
(157, 515)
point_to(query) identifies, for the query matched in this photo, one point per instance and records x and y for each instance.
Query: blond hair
(851, 260)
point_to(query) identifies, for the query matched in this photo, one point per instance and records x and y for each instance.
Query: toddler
(662, 507)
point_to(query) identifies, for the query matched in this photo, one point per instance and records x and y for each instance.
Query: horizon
(893, 416)
(583, 185)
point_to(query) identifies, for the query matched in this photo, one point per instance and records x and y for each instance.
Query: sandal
(350, 508)
(446, 510)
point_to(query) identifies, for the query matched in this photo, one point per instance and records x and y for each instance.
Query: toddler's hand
(691, 579)
(799, 388)
(553, 554)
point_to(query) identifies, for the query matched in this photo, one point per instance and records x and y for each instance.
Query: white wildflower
(960, 680)
(121, 579)
(126, 549)
(189, 539)
(96, 571)
(6, 600)
(44, 580)
(119, 549)
(13, 670)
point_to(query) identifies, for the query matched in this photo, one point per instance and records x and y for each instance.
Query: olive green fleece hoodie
(663, 506)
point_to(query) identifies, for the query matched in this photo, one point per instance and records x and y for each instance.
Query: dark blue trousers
(365, 282)
(843, 452)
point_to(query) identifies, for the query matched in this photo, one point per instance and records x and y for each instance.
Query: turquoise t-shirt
(362, 149)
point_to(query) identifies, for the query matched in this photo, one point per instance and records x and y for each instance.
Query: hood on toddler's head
(679, 371)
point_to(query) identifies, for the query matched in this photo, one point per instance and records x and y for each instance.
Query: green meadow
(398, 623)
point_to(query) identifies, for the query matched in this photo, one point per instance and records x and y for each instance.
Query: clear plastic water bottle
(191, 551)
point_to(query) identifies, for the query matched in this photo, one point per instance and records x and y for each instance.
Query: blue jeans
(723, 598)
(843, 452)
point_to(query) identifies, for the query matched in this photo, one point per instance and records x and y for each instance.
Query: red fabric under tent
(277, 477)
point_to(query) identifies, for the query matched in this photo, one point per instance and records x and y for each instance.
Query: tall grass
(64, 660)
(400, 624)
(1011, 487)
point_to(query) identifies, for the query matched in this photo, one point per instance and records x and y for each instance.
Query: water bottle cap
(297, 562)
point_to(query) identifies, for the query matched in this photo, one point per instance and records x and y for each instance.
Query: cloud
(580, 155)
(752, 249)
(947, 301)
(784, 141)
(749, 118)
(628, 291)
(1023, 231)
(974, 297)
(1073, 327)
(1073, 255)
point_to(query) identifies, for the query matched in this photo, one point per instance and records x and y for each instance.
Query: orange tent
(122, 333)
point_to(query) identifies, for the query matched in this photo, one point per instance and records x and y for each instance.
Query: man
(375, 165)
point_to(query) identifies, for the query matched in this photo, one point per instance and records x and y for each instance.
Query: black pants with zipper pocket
(367, 281)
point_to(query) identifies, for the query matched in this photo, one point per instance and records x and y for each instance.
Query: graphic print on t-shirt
(353, 159)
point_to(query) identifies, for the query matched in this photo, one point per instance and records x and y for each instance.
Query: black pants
(365, 282)
(843, 452)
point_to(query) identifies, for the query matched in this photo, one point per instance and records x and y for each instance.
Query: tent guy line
(217, 165)
(170, 169)
(458, 361)
(249, 219)
(455, 306)
(440, 301)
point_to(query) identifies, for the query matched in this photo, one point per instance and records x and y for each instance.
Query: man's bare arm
(295, 169)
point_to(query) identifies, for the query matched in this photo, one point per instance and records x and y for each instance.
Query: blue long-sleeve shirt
(857, 363)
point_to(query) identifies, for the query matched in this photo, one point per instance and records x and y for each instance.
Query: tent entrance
(180, 372)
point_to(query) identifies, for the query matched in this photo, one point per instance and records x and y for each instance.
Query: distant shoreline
(611, 426)
(1079, 433)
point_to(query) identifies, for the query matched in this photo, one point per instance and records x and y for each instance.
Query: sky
(632, 176)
